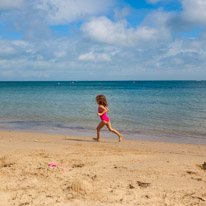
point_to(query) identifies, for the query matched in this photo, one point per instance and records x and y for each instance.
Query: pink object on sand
(52, 165)
(57, 165)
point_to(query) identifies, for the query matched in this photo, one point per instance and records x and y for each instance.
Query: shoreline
(108, 135)
(105, 173)
(44, 137)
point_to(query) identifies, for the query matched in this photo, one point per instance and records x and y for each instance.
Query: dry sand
(99, 173)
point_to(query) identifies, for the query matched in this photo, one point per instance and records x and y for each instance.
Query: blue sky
(102, 40)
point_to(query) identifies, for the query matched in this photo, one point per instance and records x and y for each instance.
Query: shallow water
(173, 111)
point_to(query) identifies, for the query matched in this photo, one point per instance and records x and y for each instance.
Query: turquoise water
(172, 111)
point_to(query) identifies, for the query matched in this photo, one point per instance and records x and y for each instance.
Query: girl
(102, 110)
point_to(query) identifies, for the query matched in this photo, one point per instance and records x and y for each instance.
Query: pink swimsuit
(104, 117)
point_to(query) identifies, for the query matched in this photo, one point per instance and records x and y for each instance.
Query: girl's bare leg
(114, 131)
(101, 124)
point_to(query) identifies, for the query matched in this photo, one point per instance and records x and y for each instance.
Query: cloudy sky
(102, 39)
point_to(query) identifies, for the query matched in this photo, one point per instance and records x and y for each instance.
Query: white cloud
(62, 12)
(31, 51)
(104, 30)
(159, 20)
(121, 13)
(203, 35)
(87, 56)
(60, 54)
(6, 50)
(63, 59)
(90, 56)
(181, 56)
(11, 48)
(11, 4)
(20, 43)
(99, 53)
(179, 47)
(194, 11)
(193, 15)
(123, 51)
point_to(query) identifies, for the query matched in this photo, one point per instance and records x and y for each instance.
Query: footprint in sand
(80, 187)
(5, 162)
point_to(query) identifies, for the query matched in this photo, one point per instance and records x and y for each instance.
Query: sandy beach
(47, 169)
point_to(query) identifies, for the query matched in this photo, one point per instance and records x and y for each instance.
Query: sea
(163, 111)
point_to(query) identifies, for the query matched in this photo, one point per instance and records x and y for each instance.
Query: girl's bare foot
(120, 138)
(96, 139)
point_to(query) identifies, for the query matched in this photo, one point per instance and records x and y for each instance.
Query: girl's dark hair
(102, 100)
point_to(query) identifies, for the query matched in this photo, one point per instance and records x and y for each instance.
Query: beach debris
(198, 179)
(143, 184)
(94, 177)
(78, 165)
(194, 197)
(204, 166)
(36, 140)
(57, 165)
(191, 173)
(188, 195)
(200, 198)
(131, 186)
(120, 167)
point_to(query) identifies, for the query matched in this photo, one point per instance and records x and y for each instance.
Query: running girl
(102, 110)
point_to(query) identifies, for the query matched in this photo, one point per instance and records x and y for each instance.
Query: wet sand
(103, 173)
